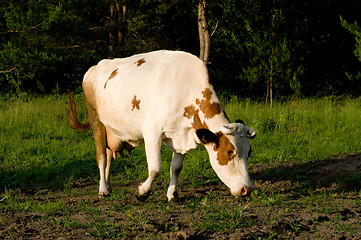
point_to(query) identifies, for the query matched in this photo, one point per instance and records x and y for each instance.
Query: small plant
(296, 227)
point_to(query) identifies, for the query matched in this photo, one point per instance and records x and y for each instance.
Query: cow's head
(228, 151)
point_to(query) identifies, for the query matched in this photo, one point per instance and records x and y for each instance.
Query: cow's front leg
(152, 149)
(175, 169)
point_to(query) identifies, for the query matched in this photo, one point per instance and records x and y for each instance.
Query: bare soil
(314, 200)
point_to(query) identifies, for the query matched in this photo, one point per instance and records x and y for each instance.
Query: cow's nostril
(246, 191)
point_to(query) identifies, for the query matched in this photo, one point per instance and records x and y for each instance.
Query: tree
(118, 27)
(262, 48)
(47, 46)
(354, 29)
(270, 60)
(204, 37)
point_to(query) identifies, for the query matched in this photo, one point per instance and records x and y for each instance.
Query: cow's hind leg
(98, 129)
(153, 143)
(175, 169)
(107, 169)
(101, 151)
(101, 157)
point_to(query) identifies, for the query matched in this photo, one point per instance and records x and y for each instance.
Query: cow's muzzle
(244, 191)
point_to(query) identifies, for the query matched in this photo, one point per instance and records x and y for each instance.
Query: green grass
(39, 150)
(36, 144)
(301, 129)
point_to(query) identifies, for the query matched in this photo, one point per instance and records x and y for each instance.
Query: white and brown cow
(162, 96)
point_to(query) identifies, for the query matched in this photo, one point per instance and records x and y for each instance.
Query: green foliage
(355, 30)
(47, 46)
(271, 65)
(40, 41)
(230, 41)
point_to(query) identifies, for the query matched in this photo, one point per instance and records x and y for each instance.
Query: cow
(162, 96)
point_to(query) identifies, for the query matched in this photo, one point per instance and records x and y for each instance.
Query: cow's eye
(230, 153)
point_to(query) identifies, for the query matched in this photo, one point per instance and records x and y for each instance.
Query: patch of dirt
(319, 199)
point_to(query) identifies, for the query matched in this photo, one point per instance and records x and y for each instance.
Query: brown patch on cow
(197, 123)
(225, 149)
(209, 109)
(140, 62)
(189, 111)
(135, 103)
(112, 75)
(192, 112)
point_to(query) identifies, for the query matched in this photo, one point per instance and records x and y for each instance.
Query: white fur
(143, 99)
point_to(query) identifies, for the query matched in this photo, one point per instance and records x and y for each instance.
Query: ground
(314, 200)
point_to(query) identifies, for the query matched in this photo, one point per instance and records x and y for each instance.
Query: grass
(39, 151)
(301, 129)
(35, 140)
(36, 143)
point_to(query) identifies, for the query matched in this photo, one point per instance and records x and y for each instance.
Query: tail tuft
(73, 119)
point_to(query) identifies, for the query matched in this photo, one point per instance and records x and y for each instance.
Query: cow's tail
(73, 119)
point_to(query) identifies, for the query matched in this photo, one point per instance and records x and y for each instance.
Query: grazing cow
(162, 96)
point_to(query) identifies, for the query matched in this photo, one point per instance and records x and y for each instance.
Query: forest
(307, 48)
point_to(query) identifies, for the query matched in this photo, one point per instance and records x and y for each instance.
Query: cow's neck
(206, 111)
(215, 123)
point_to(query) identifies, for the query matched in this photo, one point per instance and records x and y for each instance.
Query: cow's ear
(206, 136)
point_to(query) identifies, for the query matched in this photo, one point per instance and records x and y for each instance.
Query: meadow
(304, 165)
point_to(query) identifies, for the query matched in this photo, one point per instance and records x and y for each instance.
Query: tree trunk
(118, 28)
(267, 93)
(204, 37)
(272, 71)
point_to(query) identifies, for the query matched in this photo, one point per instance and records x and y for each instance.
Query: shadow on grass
(40, 177)
(60, 176)
(338, 174)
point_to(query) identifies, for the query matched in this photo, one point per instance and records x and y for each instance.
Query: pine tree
(354, 29)
(270, 60)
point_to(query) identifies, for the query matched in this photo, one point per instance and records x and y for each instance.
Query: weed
(268, 198)
(220, 218)
(139, 218)
(107, 230)
(341, 225)
(296, 227)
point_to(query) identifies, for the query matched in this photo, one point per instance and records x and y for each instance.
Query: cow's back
(153, 87)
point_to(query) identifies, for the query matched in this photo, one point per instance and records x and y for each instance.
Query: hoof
(175, 200)
(102, 195)
(143, 197)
